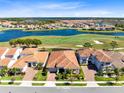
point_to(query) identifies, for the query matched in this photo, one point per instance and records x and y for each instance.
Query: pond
(12, 34)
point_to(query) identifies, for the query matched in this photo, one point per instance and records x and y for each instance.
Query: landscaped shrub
(14, 71)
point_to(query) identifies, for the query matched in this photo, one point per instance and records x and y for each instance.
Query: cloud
(54, 9)
(62, 6)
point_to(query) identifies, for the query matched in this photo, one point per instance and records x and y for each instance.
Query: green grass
(39, 76)
(110, 84)
(72, 41)
(17, 77)
(5, 83)
(100, 78)
(37, 84)
(68, 84)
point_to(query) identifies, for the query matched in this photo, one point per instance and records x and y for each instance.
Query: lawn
(100, 78)
(73, 41)
(5, 83)
(17, 77)
(40, 77)
(110, 84)
(37, 84)
(69, 84)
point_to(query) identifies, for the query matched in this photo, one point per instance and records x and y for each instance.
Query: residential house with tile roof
(83, 55)
(31, 60)
(60, 61)
(101, 60)
(3, 52)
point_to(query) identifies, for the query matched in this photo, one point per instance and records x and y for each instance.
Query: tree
(88, 45)
(114, 44)
(28, 42)
(39, 66)
(116, 70)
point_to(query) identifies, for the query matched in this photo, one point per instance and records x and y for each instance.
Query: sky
(61, 8)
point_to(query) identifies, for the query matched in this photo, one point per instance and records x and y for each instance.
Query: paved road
(61, 90)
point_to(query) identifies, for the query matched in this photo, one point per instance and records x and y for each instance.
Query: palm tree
(114, 44)
(116, 70)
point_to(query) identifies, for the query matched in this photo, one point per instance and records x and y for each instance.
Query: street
(13, 89)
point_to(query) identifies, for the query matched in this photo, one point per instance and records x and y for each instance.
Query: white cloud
(63, 6)
(67, 9)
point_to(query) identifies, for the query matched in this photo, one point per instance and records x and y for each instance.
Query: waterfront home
(13, 53)
(83, 55)
(31, 60)
(61, 61)
(3, 52)
(4, 62)
(101, 60)
(28, 51)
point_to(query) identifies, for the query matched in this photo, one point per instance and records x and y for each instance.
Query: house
(83, 55)
(61, 61)
(4, 62)
(38, 57)
(3, 52)
(28, 51)
(31, 60)
(13, 53)
(101, 60)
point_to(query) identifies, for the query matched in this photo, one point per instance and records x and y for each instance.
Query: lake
(12, 34)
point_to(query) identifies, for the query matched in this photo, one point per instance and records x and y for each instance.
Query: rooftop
(65, 59)
(5, 62)
(11, 51)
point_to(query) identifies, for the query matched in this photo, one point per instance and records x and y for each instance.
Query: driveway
(51, 76)
(88, 73)
(50, 79)
(29, 75)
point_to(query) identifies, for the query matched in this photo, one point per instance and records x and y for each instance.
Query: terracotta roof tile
(5, 62)
(29, 51)
(11, 51)
(101, 56)
(65, 59)
(2, 50)
(36, 57)
(85, 52)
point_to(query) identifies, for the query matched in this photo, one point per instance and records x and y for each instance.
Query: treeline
(120, 25)
(25, 42)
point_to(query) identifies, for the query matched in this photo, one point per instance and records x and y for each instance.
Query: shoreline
(43, 30)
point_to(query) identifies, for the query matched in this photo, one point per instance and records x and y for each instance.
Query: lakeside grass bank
(73, 41)
(80, 30)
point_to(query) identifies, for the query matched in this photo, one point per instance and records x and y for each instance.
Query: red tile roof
(29, 51)
(102, 56)
(36, 57)
(65, 59)
(11, 51)
(2, 50)
(5, 62)
(85, 52)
